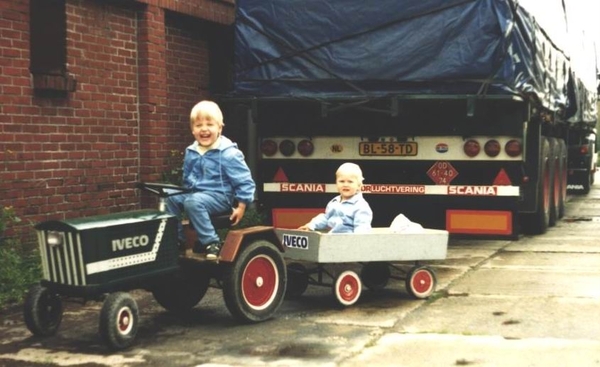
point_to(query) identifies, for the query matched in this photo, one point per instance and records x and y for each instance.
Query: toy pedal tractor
(103, 257)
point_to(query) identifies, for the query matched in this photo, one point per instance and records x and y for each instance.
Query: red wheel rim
(422, 282)
(260, 282)
(124, 320)
(348, 288)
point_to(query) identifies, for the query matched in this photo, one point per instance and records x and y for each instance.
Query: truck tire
(254, 284)
(538, 221)
(586, 182)
(562, 166)
(555, 177)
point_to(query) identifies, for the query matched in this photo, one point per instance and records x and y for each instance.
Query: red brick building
(96, 94)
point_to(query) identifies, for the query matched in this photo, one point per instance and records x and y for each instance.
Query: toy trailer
(376, 251)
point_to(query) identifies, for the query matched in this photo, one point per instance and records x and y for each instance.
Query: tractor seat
(221, 221)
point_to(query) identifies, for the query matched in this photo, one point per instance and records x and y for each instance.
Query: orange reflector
(479, 222)
(293, 218)
(502, 178)
(280, 176)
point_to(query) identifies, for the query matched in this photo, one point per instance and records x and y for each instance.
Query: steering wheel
(160, 189)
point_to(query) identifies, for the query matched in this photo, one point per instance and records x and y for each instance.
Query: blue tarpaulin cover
(356, 48)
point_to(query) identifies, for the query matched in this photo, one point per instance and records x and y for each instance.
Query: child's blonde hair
(351, 169)
(209, 109)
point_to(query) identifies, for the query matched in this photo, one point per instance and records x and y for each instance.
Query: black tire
(119, 320)
(180, 292)
(562, 154)
(347, 288)
(42, 311)
(554, 162)
(375, 275)
(538, 222)
(421, 282)
(297, 280)
(254, 284)
(586, 182)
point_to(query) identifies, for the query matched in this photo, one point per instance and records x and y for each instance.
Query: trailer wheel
(42, 311)
(586, 182)
(347, 288)
(180, 292)
(375, 275)
(538, 221)
(119, 319)
(254, 284)
(562, 173)
(297, 280)
(421, 282)
(555, 177)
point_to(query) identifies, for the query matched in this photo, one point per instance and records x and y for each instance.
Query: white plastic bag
(401, 224)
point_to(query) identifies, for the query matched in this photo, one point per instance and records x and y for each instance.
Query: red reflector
(305, 148)
(492, 148)
(583, 149)
(502, 179)
(280, 176)
(471, 148)
(268, 148)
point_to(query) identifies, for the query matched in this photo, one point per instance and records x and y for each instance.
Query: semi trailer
(471, 116)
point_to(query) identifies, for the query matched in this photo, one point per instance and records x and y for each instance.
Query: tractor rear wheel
(180, 292)
(254, 284)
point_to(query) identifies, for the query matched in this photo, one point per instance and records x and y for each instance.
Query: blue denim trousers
(199, 206)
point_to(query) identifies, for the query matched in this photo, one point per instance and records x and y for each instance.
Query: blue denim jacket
(222, 170)
(353, 215)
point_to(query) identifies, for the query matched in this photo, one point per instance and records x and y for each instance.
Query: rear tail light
(306, 148)
(513, 148)
(268, 148)
(471, 148)
(287, 147)
(584, 149)
(492, 148)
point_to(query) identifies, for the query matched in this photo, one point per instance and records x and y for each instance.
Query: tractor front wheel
(119, 319)
(42, 311)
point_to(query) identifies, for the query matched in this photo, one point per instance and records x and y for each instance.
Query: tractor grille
(62, 263)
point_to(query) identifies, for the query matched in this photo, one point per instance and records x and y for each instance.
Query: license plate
(388, 149)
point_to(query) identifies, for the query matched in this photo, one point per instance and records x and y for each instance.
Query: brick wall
(139, 67)
(188, 75)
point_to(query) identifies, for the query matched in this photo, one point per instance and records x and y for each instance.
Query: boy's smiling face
(206, 130)
(347, 185)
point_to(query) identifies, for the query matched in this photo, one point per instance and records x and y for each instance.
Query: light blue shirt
(352, 215)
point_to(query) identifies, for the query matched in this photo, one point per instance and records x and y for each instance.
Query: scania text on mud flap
(103, 257)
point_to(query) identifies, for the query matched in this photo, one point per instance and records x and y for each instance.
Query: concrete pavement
(531, 302)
